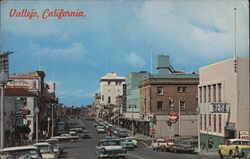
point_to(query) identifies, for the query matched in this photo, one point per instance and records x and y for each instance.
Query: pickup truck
(233, 148)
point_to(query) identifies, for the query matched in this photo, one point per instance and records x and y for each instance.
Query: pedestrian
(210, 144)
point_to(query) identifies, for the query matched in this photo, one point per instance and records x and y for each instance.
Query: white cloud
(133, 59)
(75, 50)
(198, 27)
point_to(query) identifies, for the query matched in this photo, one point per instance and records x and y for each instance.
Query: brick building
(155, 95)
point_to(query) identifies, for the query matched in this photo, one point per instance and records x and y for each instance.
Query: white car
(157, 144)
(133, 140)
(47, 150)
(100, 129)
(21, 152)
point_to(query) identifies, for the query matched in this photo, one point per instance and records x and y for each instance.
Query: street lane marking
(135, 156)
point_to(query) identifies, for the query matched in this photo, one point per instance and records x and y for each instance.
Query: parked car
(66, 137)
(233, 147)
(20, 152)
(122, 133)
(157, 143)
(100, 129)
(110, 148)
(56, 142)
(47, 150)
(182, 146)
(165, 145)
(127, 144)
(134, 140)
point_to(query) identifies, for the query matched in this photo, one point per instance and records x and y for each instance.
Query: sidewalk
(208, 155)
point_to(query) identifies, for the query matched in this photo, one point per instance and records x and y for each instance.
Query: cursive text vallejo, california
(46, 13)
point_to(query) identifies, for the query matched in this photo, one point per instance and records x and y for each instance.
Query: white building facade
(111, 86)
(223, 96)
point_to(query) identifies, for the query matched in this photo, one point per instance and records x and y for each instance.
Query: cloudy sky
(119, 36)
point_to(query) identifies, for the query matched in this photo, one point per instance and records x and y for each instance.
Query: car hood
(110, 148)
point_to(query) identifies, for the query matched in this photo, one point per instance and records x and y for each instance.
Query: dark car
(85, 134)
(182, 146)
(122, 134)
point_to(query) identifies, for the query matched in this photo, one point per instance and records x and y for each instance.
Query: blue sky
(74, 52)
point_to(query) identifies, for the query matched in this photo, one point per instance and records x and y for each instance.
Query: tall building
(111, 86)
(224, 100)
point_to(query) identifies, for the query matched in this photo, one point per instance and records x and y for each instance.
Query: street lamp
(52, 121)
(36, 111)
(198, 121)
(3, 80)
(48, 126)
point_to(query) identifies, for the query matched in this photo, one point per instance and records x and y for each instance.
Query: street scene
(153, 79)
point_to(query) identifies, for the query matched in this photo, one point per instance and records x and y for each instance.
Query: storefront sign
(219, 107)
(244, 135)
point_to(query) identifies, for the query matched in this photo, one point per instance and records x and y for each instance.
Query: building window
(220, 122)
(209, 120)
(109, 82)
(182, 89)
(205, 121)
(109, 100)
(214, 93)
(209, 93)
(219, 92)
(159, 105)
(182, 104)
(205, 94)
(200, 91)
(201, 122)
(214, 122)
(159, 91)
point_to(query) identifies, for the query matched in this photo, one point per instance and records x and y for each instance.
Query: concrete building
(132, 104)
(224, 100)
(155, 95)
(111, 86)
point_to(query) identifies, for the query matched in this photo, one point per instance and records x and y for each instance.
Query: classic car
(157, 143)
(165, 146)
(134, 140)
(66, 137)
(100, 129)
(127, 143)
(109, 148)
(122, 133)
(20, 152)
(182, 146)
(56, 142)
(47, 150)
(233, 148)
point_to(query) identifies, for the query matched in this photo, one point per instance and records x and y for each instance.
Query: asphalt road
(85, 148)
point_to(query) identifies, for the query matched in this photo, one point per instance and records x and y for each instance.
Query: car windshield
(100, 127)
(13, 154)
(45, 149)
(127, 140)
(110, 143)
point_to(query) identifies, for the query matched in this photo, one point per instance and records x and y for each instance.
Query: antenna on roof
(151, 61)
(106, 63)
(235, 9)
(39, 65)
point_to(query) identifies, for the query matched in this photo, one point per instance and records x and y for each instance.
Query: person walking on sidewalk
(210, 144)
